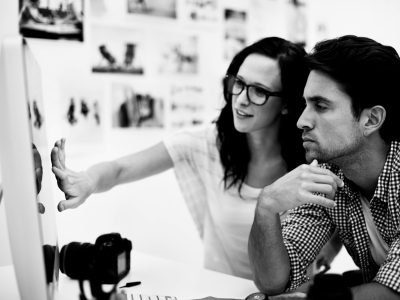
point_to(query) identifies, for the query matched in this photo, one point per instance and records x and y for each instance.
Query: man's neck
(365, 169)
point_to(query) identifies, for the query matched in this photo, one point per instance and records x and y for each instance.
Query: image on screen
(42, 164)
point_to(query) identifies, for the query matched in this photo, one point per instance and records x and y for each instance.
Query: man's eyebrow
(317, 99)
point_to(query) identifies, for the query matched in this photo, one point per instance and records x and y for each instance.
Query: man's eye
(320, 107)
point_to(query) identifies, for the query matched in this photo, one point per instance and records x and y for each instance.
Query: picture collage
(150, 64)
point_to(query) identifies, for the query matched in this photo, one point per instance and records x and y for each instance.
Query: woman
(222, 168)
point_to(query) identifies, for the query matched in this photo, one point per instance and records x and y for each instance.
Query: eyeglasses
(256, 95)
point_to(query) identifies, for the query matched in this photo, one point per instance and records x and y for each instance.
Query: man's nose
(305, 120)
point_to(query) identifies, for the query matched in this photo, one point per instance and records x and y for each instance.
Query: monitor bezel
(17, 166)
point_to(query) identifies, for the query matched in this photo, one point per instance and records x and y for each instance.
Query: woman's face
(263, 72)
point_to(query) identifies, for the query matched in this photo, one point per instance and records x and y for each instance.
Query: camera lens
(77, 260)
(106, 262)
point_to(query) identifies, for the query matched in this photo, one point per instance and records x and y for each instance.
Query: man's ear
(373, 118)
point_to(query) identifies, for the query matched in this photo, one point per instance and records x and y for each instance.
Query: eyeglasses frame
(247, 86)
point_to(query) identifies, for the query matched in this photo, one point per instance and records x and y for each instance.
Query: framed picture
(235, 37)
(80, 109)
(55, 19)
(117, 50)
(178, 54)
(200, 10)
(187, 105)
(297, 23)
(158, 8)
(137, 105)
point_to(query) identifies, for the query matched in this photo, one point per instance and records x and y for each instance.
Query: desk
(170, 278)
(159, 277)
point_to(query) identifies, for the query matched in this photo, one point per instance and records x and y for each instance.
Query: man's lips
(307, 139)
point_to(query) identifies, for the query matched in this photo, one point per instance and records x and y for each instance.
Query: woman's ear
(373, 118)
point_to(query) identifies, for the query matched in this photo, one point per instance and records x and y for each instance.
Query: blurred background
(120, 75)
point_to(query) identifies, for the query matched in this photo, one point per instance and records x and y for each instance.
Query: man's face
(331, 133)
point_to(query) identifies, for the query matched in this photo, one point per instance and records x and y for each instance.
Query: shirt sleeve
(189, 152)
(389, 272)
(305, 231)
(189, 147)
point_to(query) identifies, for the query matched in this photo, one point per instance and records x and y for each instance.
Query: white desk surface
(158, 276)
(164, 277)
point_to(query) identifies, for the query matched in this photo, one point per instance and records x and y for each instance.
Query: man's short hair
(367, 71)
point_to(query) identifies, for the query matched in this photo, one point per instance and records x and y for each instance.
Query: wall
(375, 19)
(151, 212)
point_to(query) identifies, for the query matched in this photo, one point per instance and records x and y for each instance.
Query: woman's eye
(259, 91)
(239, 83)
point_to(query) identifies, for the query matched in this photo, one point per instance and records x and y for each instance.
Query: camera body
(105, 262)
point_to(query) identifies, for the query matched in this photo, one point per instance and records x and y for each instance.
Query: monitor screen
(26, 172)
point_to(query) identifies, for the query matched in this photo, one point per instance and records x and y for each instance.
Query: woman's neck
(263, 146)
(266, 162)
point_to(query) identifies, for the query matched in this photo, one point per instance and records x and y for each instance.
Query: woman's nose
(243, 98)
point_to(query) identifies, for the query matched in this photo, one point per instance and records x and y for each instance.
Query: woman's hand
(77, 186)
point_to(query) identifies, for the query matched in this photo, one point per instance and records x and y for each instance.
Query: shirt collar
(392, 165)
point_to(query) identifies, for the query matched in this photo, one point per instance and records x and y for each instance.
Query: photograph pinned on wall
(99, 8)
(297, 23)
(55, 19)
(136, 106)
(157, 8)
(112, 10)
(179, 54)
(187, 106)
(117, 50)
(266, 18)
(235, 35)
(200, 10)
(80, 110)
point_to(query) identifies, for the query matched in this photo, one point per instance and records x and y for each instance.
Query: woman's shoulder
(206, 132)
(194, 137)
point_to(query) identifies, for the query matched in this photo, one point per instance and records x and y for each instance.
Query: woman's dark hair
(367, 71)
(233, 147)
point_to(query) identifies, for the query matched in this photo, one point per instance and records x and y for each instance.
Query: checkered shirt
(307, 228)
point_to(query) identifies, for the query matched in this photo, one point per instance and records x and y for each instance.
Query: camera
(105, 262)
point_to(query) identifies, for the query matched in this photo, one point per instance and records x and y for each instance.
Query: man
(350, 125)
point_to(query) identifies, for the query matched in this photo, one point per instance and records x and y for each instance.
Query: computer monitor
(26, 173)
